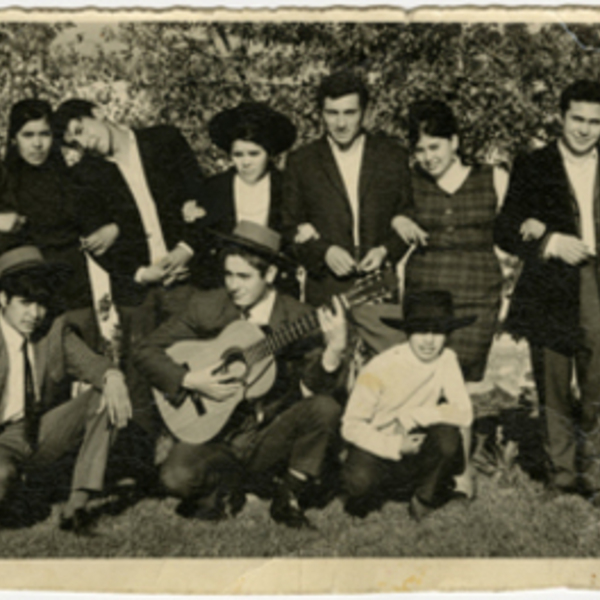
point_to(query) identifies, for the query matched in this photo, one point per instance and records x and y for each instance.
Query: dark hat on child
(30, 259)
(259, 239)
(429, 311)
(255, 122)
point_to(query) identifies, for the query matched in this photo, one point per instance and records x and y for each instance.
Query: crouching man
(37, 355)
(408, 418)
(283, 434)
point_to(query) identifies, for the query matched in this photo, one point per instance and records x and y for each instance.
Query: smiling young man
(138, 181)
(281, 434)
(348, 185)
(550, 219)
(37, 424)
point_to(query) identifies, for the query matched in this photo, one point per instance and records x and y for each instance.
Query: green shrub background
(502, 79)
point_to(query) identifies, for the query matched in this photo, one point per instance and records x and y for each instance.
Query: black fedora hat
(29, 259)
(259, 239)
(431, 310)
(255, 122)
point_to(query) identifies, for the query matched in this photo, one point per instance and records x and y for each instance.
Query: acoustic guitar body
(198, 425)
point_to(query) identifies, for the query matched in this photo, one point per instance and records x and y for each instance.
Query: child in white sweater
(408, 418)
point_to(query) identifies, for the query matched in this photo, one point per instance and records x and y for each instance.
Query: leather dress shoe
(285, 509)
(80, 523)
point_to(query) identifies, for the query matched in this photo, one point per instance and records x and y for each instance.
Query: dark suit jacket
(314, 192)
(545, 303)
(219, 203)
(59, 355)
(173, 176)
(207, 314)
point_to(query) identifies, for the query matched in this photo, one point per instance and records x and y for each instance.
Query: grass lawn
(506, 519)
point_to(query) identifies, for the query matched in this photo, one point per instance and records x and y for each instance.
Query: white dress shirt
(12, 407)
(260, 313)
(397, 386)
(456, 174)
(252, 200)
(130, 165)
(581, 171)
(349, 162)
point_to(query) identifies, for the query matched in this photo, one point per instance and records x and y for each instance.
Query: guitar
(244, 353)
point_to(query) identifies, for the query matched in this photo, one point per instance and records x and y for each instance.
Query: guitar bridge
(198, 404)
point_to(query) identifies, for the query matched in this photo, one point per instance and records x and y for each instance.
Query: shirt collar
(12, 337)
(354, 148)
(260, 313)
(454, 177)
(573, 159)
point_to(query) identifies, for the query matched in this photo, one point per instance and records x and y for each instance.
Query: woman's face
(34, 141)
(250, 160)
(436, 154)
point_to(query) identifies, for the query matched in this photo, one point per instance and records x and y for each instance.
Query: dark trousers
(370, 480)
(61, 429)
(298, 439)
(136, 323)
(565, 426)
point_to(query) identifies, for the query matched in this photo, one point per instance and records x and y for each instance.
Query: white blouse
(252, 200)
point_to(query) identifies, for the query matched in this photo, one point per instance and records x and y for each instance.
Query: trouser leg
(298, 438)
(588, 374)
(194, 471)
(440, 458)
(69, 424)
(363, 479)
(552, 372)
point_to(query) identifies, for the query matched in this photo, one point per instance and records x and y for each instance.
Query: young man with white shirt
(37, 424)
(348, 185)
(550, 219)
(408, 418)
(281, 434)
(138, 181)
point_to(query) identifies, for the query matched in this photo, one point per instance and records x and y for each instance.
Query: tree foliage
(503, 80)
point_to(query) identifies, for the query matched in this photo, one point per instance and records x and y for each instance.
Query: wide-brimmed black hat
(259, 239)
(429, 311)
(30, 259)
(255, 122)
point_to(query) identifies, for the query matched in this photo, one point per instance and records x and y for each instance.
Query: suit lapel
(328, 164)
(367, 169)
(40, 356)
(3, 364)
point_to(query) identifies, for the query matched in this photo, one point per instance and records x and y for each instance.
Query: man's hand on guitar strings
(212, 383)
(335, 331)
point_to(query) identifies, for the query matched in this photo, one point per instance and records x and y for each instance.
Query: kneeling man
(37, 425)
(406, 412)
(282, 434)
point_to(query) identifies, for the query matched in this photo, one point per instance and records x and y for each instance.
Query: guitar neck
(281, 338)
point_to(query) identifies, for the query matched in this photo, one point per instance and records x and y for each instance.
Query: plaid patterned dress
(460, 258)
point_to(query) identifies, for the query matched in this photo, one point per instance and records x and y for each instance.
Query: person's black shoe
(235, 502)
(80, 523)
(417, 510)
(285, 509)
(193, 509)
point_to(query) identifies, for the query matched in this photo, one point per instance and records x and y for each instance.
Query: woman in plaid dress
(452, 231)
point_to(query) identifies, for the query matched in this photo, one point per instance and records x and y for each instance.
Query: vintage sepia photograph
(299, 285)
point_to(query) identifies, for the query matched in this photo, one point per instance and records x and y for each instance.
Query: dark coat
(314, 192)
(219, 203)
(173, 177)
(545, 303)
(207, 314)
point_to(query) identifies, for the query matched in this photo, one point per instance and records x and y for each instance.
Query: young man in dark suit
(348, 186)
(38, 424)
(138, 182)
(550, 219)
(281, 434)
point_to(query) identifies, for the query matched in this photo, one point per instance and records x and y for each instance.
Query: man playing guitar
(282, 435)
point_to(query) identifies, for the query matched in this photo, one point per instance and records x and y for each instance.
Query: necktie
(31, 421)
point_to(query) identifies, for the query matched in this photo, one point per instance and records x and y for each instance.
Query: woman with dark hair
(43, 208)
(252, 134)
(452, 231)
